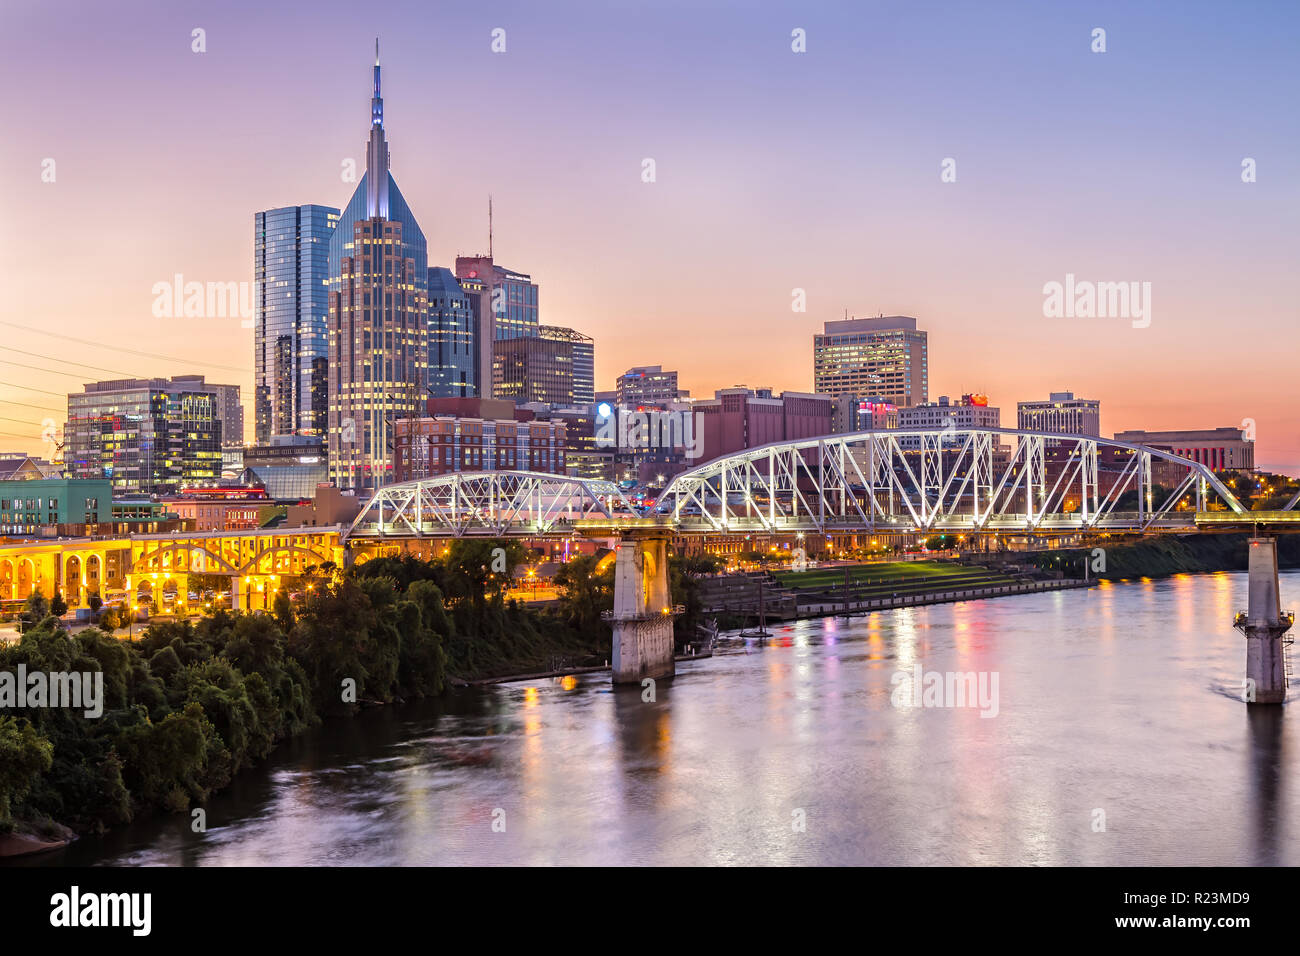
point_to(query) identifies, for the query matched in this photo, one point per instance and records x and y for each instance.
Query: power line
(27, 437)
(31, 388)
(48, 371)
(120, 348)
(95, 368)
(43, 408)
(20, 421)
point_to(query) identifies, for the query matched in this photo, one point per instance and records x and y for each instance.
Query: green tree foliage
(189, 704)
(683, 577)
(24, 755)
(35, 609)
(585, 591)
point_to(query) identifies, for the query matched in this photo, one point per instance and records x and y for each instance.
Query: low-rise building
(289, 467)
(452, 439)
(219, 509)
(1219, 449)
(970, 411)
(328, 506)
(738, 418)
(852, 413)
(1061, 413)
(17, 466)
(648, 385)
(30, 504)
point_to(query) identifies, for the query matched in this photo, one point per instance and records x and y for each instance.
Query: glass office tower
(452, 368)
(147, 436)
(378, 319)
(290, 346)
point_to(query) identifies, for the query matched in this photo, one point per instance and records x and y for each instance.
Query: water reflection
(1120, 739)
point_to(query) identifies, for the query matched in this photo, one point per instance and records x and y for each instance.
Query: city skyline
(686, 433)
(758, 192)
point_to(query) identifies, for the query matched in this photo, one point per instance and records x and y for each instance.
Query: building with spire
(378, 318)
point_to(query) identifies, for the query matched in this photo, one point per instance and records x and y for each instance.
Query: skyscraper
(555, 367)
(147, 436)
(533, 369)
(881, 359)
(453, 369)
(511, 297)
(582, 361)
(378, 318)
(230, 408)
(290, 341)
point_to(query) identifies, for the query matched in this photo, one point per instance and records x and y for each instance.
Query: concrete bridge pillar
(1264, 624)
(643, 612)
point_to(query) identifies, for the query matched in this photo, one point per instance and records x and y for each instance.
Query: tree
(24, 755)
(95, 602)
(585, 591)
(282, 610)
(58, 606)
(35, 609)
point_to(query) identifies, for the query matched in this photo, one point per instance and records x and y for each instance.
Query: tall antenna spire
(377, 153)
(377, 101)
(489, 225)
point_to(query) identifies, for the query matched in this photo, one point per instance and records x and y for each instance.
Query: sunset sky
(775, 171)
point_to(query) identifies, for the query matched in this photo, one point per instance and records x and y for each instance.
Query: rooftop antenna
(489, 225)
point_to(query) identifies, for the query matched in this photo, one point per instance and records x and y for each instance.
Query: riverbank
(29, 839)
(1160, 556)
(939, 597)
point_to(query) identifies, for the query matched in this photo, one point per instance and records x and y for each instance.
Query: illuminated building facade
(648, 385)
(970, 411)
(1061, 413)
(290, 337)
(581, 362)
(885, 359)
(148, 436)
(378, 319)
(509, 297)
(1216, 448)
(543, 368)
(453, 365)
(477, 435)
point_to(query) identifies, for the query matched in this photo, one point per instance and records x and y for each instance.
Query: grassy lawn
(882, 571)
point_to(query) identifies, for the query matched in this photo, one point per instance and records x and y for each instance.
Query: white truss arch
(971, 480)
(488, 503)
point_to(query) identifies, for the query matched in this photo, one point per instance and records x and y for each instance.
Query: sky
(774, 171)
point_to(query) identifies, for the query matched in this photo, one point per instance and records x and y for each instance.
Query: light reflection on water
(1122, 699)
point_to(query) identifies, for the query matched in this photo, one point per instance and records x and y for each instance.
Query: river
(1119, 738)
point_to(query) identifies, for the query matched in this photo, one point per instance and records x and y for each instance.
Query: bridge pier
(1263, 623)
(643, 611)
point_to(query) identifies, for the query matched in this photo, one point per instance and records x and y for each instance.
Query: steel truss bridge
(961, 480)
(490, 503)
